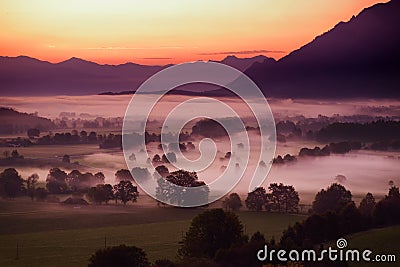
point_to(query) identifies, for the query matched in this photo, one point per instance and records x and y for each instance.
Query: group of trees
(60, 182)
(216, 237)
(173, 187)
(124, 191)
(170, 157)
(13, 155)
(73, 137)
(286, 159)
(335, 148)
(232, 202)
(282, 198)
(368, 132)
(13, 185)
(334, 214)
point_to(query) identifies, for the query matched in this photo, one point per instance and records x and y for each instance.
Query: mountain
(358, 58)
(244, 63)
(29, 76)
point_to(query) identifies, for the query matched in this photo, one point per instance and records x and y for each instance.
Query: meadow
(383, 241)
(49, 234)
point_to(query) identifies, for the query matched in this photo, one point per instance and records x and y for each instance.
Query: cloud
(243, 52)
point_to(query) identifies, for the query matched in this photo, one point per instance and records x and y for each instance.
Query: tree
(156, 159)
(31, 183)
(173, 189)
(100, 193)
(140, 174)
(367, 205)
(66, 159)
(283, 198)
(387, 211)
(40, 193)
(16, 155)
(33, 132)
(257, 199)
(74, 179)
(125, 191)
(121, 255)
(333, 199)
(164, 263)
(11, 183)
(210, 231)
(162, 171)
(123, 175)
(56, 181)
(169, 157)
(84, 136)
(99, 178)
(233, 202)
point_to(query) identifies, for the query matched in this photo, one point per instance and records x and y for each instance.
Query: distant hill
(29, 76)
(244, 63)
(13, 121)
(358, 58)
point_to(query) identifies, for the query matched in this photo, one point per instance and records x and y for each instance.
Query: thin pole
(17, 255)
(105, 242)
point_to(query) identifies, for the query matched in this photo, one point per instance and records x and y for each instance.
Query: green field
(382, 241)
(59, 235)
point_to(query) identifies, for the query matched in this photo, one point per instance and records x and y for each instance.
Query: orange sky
(161, 31)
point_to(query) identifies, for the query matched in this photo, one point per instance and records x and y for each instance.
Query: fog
(115, 106)
(364, 171)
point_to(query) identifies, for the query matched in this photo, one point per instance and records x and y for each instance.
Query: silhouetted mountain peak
(76, 61)
(243, 63)
(354, 59)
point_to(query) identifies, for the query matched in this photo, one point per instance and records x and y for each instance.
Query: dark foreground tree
(11, 183)
(119, 256)
(210, 231)
(334, 198)
(387, 211)
(367, 205)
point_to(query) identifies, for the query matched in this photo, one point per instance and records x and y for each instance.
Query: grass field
(382, 241)
(60, 235)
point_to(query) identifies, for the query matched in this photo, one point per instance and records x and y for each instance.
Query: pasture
(60, 235)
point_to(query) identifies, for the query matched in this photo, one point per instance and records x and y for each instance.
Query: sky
(157, 32)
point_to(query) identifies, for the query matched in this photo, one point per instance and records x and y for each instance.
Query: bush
(121, 255)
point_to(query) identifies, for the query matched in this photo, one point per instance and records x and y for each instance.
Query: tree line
(60, 182)
(216, 237)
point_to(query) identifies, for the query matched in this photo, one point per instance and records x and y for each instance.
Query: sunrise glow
(161, 32)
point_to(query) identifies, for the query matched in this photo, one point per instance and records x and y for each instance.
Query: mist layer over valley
(363, 170)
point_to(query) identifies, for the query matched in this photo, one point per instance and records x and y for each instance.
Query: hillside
(358, 58)
(13, 121)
